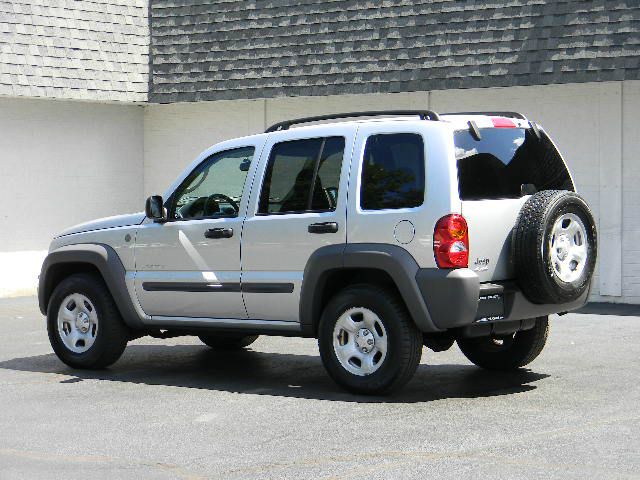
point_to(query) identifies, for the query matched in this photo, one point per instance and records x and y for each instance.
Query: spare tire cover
(554, 247)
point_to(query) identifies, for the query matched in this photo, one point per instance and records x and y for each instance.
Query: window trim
(170, 201)
(316, 169)
(297, 212)
(360, 185)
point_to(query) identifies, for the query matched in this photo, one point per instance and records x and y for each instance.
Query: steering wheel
(192, 209)
(194, 187)
(214, 198)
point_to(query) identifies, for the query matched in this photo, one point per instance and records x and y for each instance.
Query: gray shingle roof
(227, 49)
(266, 48)
(75, 49)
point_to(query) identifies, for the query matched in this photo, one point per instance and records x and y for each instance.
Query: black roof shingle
(238, 49)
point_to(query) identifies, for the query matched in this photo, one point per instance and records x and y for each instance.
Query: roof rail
(495, 114)
(423, 114)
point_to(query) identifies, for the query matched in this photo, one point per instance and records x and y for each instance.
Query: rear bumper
(456, 298)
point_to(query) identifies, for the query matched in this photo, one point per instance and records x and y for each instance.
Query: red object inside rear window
(500, 122)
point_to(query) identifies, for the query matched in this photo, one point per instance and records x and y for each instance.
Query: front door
(190, 265)
(298, 206)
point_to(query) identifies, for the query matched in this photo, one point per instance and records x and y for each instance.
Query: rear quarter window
(392, 172)
(506, 159)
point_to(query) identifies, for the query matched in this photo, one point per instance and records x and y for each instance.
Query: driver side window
(214, 188)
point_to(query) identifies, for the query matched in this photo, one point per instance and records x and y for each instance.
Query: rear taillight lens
(451, 242)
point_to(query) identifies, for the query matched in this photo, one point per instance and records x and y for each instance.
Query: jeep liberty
(377, 233)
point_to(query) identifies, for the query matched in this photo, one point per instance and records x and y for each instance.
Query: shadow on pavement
(617, 309)
(276, 374)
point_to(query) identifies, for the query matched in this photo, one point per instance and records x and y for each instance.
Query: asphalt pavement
(177, 409)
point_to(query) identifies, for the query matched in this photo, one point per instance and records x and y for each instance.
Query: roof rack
(495, 114)
(423, 114)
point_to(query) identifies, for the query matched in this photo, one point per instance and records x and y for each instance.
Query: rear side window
(505, 162)
(302, 176)
(392, 172)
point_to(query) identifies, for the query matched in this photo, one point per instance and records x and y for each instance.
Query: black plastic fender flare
(394, 260)
(105, 259)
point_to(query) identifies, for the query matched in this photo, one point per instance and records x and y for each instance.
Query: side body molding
(105, 259)
(329, 260)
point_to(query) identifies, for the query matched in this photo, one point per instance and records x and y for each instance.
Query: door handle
(324, 227)
(219, 233)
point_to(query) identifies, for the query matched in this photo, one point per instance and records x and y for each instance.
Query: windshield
(507, 162)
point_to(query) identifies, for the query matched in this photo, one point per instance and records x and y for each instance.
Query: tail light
(451, 242)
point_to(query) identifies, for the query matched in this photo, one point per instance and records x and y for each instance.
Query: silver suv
(376, 236)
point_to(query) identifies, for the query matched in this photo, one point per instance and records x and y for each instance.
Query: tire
(508, 352)
(228, 342)
(343, 324)
(94, 309)
(547, 254)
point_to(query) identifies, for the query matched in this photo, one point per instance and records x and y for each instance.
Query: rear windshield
(507, 163)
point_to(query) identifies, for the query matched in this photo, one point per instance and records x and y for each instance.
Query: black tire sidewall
(531, 243)
(111, 336)
(569, 203)
(392, 317)
(525, 347)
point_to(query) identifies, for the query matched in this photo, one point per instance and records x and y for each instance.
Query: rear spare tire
(554, 247)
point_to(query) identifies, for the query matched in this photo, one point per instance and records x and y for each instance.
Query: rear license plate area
(490, 308)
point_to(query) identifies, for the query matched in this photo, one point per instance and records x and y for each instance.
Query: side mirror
(154, 208)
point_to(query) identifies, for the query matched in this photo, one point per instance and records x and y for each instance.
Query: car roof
(459, 120)
(350, 123)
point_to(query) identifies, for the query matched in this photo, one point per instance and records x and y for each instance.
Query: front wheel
(507, 352)
(368, 342)
(84, 325)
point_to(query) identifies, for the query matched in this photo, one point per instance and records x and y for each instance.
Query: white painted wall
(630, 192)
(595, 126)
(66, 162)
(61, 163)
(175, 134)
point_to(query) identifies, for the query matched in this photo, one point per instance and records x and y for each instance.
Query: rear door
(496, 174)
(297, 206)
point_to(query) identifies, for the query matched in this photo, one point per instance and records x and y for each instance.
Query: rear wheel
(368, 342)
(507, 352)
(84, 325)
(228, 342)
